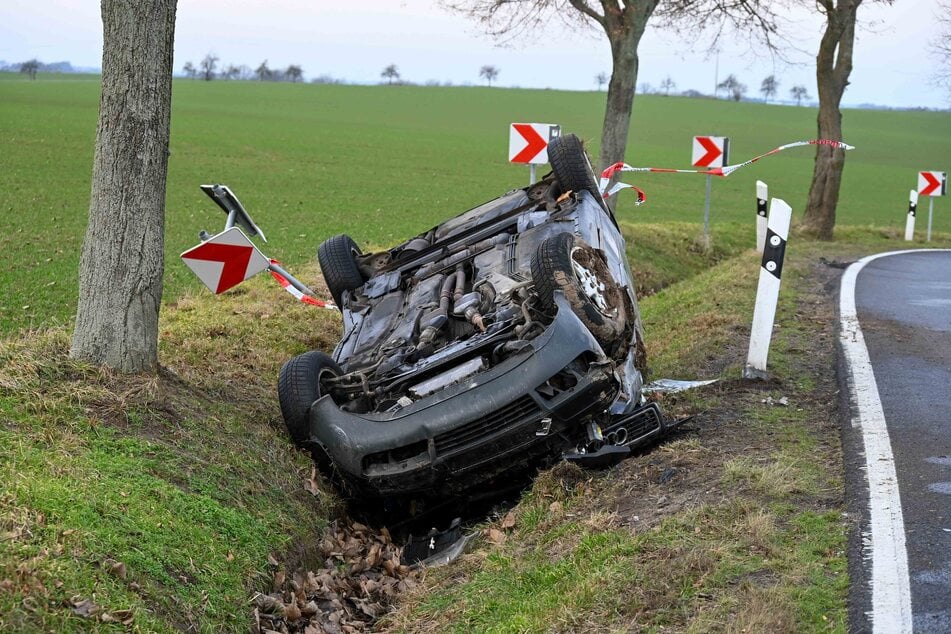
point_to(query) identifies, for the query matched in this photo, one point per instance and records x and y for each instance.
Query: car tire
(571, 166)
(338, 263)
(568, 264)
(298, 386)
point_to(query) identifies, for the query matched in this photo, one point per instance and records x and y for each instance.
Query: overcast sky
(355, 40)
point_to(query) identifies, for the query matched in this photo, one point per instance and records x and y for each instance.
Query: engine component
(431, 322)
(465, 302)
(453, 375)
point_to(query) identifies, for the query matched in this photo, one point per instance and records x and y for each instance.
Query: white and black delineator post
(767, 293)
(762, 195)
(910, 220)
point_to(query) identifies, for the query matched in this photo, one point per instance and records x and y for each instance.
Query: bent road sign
(711, 151)
(932, 183)
(225, 260)
(528, 142)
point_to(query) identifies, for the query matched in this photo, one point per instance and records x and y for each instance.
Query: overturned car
(502, 340)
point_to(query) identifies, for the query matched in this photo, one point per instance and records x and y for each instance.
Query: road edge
(883, 537)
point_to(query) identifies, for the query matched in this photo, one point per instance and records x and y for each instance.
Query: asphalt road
(903, 305)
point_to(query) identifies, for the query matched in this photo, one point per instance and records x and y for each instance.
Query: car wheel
(568, 264)
(338, 263)
(571, 166)
(299, 385)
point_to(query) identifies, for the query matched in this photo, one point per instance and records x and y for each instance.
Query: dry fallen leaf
(494, 535)
(291, 611)
(84, 607)
(369, 586)
(310, 485)
(508, 522)
(373, 557)
(124, 616)
(118, 569)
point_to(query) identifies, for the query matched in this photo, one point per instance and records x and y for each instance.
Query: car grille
(643, 424)
(646, 421)
(517, 411)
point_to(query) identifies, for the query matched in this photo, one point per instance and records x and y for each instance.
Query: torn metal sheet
(670, 386)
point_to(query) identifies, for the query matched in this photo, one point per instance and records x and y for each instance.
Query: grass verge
(154, 504)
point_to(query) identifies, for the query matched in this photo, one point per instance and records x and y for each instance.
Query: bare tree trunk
(833, 66)
(624, 29)
(620, 103)
(120, 271)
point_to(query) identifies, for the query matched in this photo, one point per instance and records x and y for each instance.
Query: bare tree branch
(506, 21)
(758, 19)
(585, 8)
(941, 48)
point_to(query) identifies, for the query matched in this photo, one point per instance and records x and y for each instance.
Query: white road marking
(885, 546)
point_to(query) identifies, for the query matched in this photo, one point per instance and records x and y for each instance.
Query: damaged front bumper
(466, 434)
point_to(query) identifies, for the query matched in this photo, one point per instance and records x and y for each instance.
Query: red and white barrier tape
(608, 173)
(290, 288)
(641, 196)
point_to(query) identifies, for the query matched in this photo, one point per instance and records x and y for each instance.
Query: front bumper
(469, 433)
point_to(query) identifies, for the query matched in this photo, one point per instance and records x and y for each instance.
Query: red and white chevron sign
(528, 142)
(711, 151)
(932, 183)
(225, 260)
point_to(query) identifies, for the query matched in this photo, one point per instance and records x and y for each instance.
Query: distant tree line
(391, 75)
(732, 87)
(208, 70)
(33, 66)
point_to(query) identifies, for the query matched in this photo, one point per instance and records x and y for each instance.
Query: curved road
(903, 305)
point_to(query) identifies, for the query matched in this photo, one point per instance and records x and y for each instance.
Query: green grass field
(382, 163)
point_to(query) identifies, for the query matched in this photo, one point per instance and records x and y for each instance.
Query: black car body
(501, 340)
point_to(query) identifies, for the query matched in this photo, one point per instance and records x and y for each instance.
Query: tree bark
(120, 270)
(833, 66)
(624, 28)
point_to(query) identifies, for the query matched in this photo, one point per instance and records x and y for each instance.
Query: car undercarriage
(499, 341)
